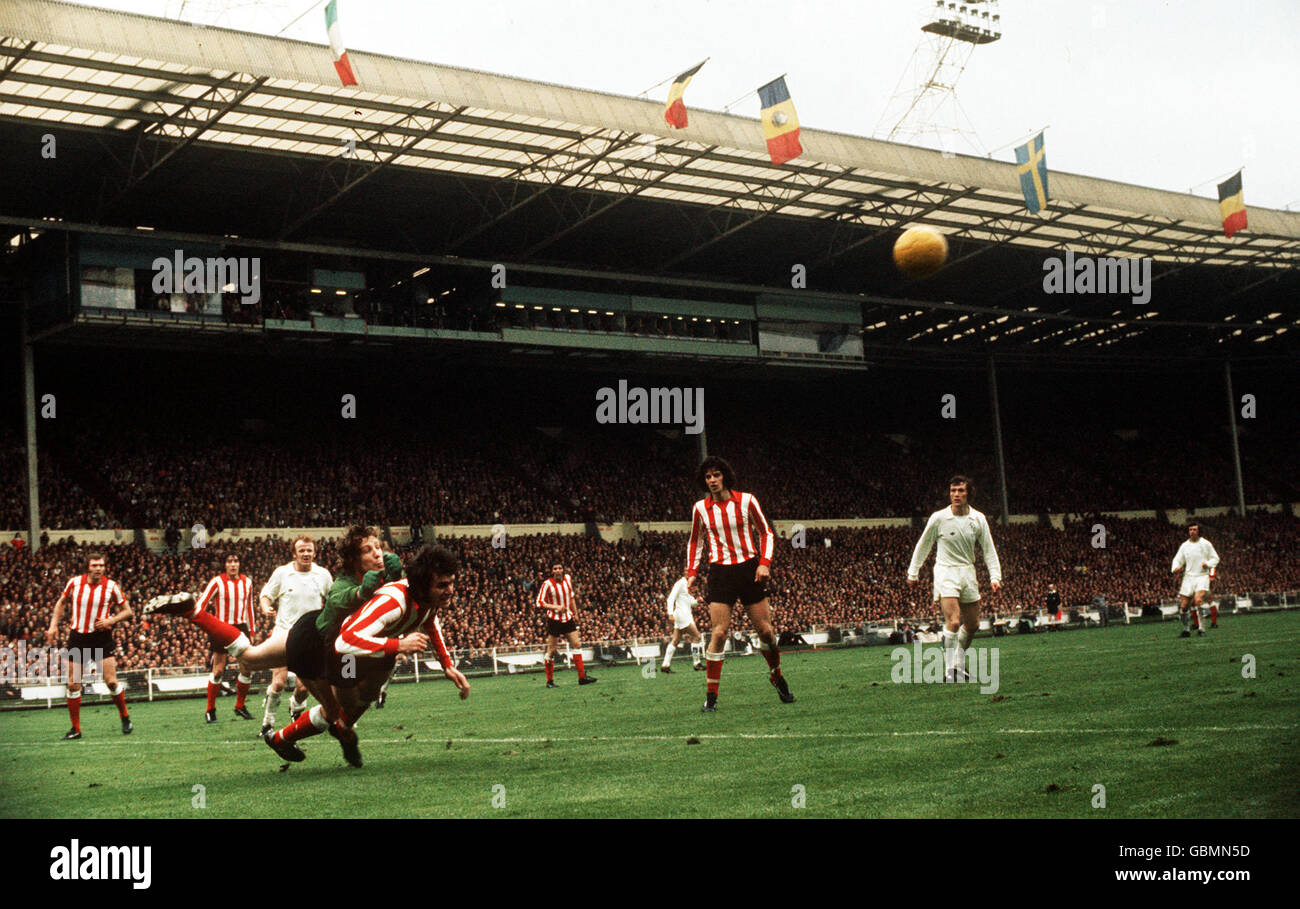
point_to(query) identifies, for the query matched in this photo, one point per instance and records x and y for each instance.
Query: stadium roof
(455, 160)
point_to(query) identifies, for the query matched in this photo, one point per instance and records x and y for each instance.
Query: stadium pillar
(1236, 453)
(29, 420)
(997, 440)
(702, 444)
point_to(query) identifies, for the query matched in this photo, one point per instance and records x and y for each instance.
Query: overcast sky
(1167, 94)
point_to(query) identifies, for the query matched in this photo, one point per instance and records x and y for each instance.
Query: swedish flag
(1031, 165)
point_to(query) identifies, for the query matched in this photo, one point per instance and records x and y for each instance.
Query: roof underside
(226, 133)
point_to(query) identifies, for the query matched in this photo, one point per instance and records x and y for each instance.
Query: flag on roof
(675, 110)
(1031, 165)
(1232, 205)
(780, 122)
(341, 63)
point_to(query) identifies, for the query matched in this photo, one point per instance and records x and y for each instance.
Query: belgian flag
(675, 110)
(1232, 205)
(780, 122)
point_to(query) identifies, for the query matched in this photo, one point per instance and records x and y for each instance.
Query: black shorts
(214, 647)
(728, 583)
(558, 629)
(91, 646)
(349, 673)
(305, 648)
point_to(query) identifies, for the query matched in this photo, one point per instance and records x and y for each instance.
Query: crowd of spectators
(504, 469)
(839, 577)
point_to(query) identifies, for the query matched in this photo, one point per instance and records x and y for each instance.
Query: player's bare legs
(575, 648)
(1185, 615)
(954, 631)
(550, 660)
(760, 616)
(692, 635)
(108, 667)
(720, 618)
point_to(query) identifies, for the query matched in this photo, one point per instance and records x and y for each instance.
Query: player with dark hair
(231, 593)
(90, 640)
(1198, 562)
(402, 617)
(557, 599)
(738, 570)
(957, 529)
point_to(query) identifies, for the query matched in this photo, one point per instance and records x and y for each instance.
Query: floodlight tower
(924, 109)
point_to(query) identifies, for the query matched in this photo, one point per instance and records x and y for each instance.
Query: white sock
(668, 654)
(696, 650)
(963, 638)
(949, 639)
(383, 689)
(317, 717)
(272, 701)
(295, 704)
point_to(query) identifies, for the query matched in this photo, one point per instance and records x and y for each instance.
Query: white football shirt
(679, 597)
(956, 536)
(1192, 557)
(295, 592)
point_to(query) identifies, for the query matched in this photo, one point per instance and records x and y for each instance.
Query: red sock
(120, 700)
(1214, 615)
(218, 630)
(346, 733)
(582, 671)
(74, 711)
(773, 658)
(241, 691)
(212, 695)
(550, 670)
(1196, 618)
(300, 728)
(714, 674)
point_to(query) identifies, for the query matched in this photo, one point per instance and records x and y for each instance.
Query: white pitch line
(538, 740)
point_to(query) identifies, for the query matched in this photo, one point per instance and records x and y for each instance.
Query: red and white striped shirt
(375, 628)
(234, 599)
(91, 602)
(729, 526)
(557, 597)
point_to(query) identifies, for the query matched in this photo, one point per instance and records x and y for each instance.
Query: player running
(232, 595)
(402, 617)
(557, 599)
(957, 529)
(1197, 560)
(294, 588)
(738, 570)
(680, 604)
(90, 638)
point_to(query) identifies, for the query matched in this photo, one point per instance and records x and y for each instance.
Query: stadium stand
(858, 578)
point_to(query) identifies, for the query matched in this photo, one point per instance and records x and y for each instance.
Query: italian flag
(341, 63)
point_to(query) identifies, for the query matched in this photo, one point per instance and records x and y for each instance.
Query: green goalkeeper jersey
(340, 602)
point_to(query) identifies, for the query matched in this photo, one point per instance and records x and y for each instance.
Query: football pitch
(1169, 727)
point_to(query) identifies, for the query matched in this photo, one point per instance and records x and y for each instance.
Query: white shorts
(683, 618)
(956, 582)
(1192, 583)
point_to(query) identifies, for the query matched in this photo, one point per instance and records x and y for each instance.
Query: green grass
(1073, 710)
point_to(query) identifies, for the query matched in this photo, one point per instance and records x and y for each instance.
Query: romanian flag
(1232, 205)
(341, 62)
(780, 122)
(675, 110)
(1031, 165)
